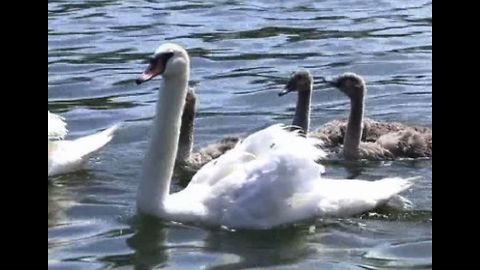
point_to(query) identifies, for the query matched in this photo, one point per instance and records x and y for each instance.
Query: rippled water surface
(242, 52)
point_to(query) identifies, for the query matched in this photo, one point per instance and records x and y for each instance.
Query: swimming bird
(358, 137)
(267, 180)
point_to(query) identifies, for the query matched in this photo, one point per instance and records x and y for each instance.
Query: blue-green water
(242, 52)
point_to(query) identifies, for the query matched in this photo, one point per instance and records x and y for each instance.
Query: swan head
(350, 84)
(168, 60)
(300, 81)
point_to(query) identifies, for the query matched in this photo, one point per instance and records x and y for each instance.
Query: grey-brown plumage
(400, 139)
(358, 137)
(188, 158)
(206, 154)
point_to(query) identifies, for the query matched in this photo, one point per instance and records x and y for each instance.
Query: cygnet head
(350, 84)
(190, 101)
(299, 81)
(168, 60)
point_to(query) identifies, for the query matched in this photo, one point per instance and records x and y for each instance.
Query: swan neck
(302, 110)
(354, 131)
(185, 144)
(162, 149)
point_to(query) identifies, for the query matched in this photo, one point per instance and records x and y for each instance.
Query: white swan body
(252, 187)
(269, 179)
(67, 156)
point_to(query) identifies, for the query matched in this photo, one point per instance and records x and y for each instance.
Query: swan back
(254, 186)
(407, 143)
(263, 144)
(250, 185)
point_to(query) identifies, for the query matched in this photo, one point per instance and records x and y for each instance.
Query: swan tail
(90, 144)
(351, 197)
(395, 185)
(385, 191)
(399, 202)
(66, 156)
(57, 128)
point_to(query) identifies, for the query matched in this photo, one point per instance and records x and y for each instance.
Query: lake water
(242, 53)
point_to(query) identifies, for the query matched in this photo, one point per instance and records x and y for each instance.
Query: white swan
(267, 180)
(65, 156)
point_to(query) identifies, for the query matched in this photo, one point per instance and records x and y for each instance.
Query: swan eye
(162, 58)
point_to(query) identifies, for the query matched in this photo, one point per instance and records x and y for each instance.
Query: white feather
(258, 187)
(66, 156)
(57, 128)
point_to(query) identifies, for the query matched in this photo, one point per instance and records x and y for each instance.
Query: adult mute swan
(66, 156)
(361, 138)
(268, 179)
